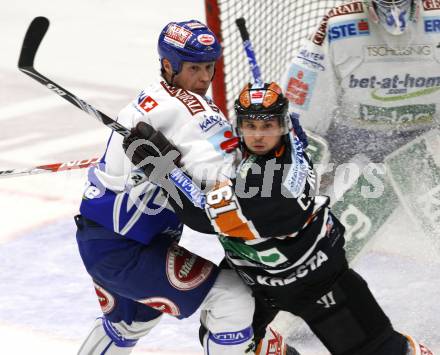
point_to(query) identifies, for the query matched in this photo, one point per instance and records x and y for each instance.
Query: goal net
(276, 29)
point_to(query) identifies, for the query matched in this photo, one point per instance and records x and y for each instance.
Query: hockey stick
(32, 40)
(50, 168)
(284, 322)
(247, 44)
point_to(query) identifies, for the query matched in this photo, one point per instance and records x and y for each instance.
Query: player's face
(195, 77)
(262, 136)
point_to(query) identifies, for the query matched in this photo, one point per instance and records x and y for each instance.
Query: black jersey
(268, 218)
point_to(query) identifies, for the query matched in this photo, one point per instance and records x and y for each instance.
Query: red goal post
(276, 29)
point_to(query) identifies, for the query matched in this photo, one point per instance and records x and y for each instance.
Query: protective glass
(394, 15)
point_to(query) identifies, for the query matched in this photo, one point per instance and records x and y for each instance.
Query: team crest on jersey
(186, 271)
(105, 298)
(162, 304)
(146, 103)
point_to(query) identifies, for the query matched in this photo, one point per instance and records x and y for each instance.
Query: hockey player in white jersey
(368, 80)
(127, 233)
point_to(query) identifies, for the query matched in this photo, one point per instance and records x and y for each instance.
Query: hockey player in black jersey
(284, 241)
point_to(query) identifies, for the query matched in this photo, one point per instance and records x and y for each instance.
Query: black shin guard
(348, 320)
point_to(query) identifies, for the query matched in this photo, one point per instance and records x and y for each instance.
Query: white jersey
(192, 123)
(386, 88)
(199, 131)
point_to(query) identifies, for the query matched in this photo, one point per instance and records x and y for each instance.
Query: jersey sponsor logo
(311, 59)
(300, 86)
(432, 24)
(269, 257)
(187, 186)
(349, 29)
(190, 101)
(353, 8)
(232, 338)
(417, 51)
(401, 115)
(162, 304)
(177, 35)
(300, 272)
(105, 298)
(396, 87)
(431, 4)
(147, 103)
(319, 36)
(206, 39)
(224, 141)
(211, 121)
(186, 271)
(299, 171)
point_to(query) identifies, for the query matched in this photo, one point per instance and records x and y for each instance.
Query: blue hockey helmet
(188, 41)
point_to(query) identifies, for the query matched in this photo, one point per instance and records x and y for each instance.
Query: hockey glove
(294, 118)
(151, 151)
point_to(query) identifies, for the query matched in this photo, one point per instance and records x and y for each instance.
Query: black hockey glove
(151, 151)
(294, 117)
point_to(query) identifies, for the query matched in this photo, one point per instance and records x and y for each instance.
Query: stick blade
(34, 35)
(241, 24)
